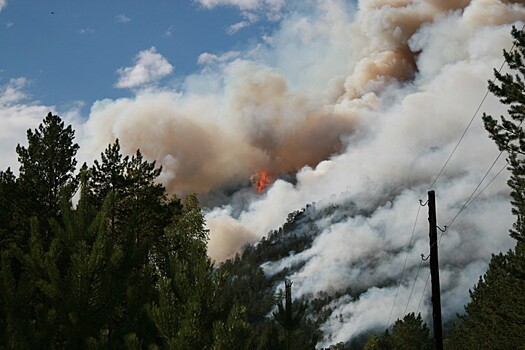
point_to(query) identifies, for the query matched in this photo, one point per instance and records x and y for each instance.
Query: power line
(461, 138)
(467, 203)
(470, 199)
(422, 294)
(488, 184)
(413, 286)
(468, 125)
(404, 265)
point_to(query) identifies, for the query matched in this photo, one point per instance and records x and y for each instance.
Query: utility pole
(434, 272)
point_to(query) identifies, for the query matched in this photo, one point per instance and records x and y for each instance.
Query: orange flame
(262, 180)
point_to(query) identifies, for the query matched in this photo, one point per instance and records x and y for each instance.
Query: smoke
(361, 103)
(208, 141)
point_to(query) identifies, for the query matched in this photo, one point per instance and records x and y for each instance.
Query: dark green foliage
(290, 316)
(286, 315)
(138, 202)
(8, 199)
(47, 164)
(495, 316)
(410, 333)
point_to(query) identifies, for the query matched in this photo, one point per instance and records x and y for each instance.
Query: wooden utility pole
(434, 272)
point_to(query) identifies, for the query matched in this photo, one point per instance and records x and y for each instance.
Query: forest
(102, 257)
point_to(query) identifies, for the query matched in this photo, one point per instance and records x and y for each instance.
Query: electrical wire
(469, 201)
(423, 294)
(471, 198)
(413, 286)
(404, 266)
(462, 136)
(469, 124)
(428, 278)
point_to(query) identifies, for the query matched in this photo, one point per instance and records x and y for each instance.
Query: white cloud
(270, 9)
(149, 67)
(242, 4)
(3, 4)
(122, 18)
(234, 28)
(16, 116)
(13, 91)
(250, 18)
(9, 24)
(207, 58)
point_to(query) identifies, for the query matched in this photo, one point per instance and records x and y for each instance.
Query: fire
(261, 180)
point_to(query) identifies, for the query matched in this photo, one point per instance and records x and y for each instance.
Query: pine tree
(8, 199)
(188, 291)
(495, 318)
(108, 176)
(290, 316)
(126, 268)
(139, 211)
(508, 133)
(47, 164)
(410, 333)
(190, 313)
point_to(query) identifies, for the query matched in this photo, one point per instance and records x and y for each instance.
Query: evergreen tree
(290, 316)
(495, 316)
(47, 164)
(8, 199)
(139, 211)
(80, 292)
(190, 314)
(508, 133)
(62, 297)
(410, 333)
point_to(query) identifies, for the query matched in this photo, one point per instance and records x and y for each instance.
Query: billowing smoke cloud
(205, 141)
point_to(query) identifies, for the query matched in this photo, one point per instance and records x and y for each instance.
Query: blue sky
(71, 51)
